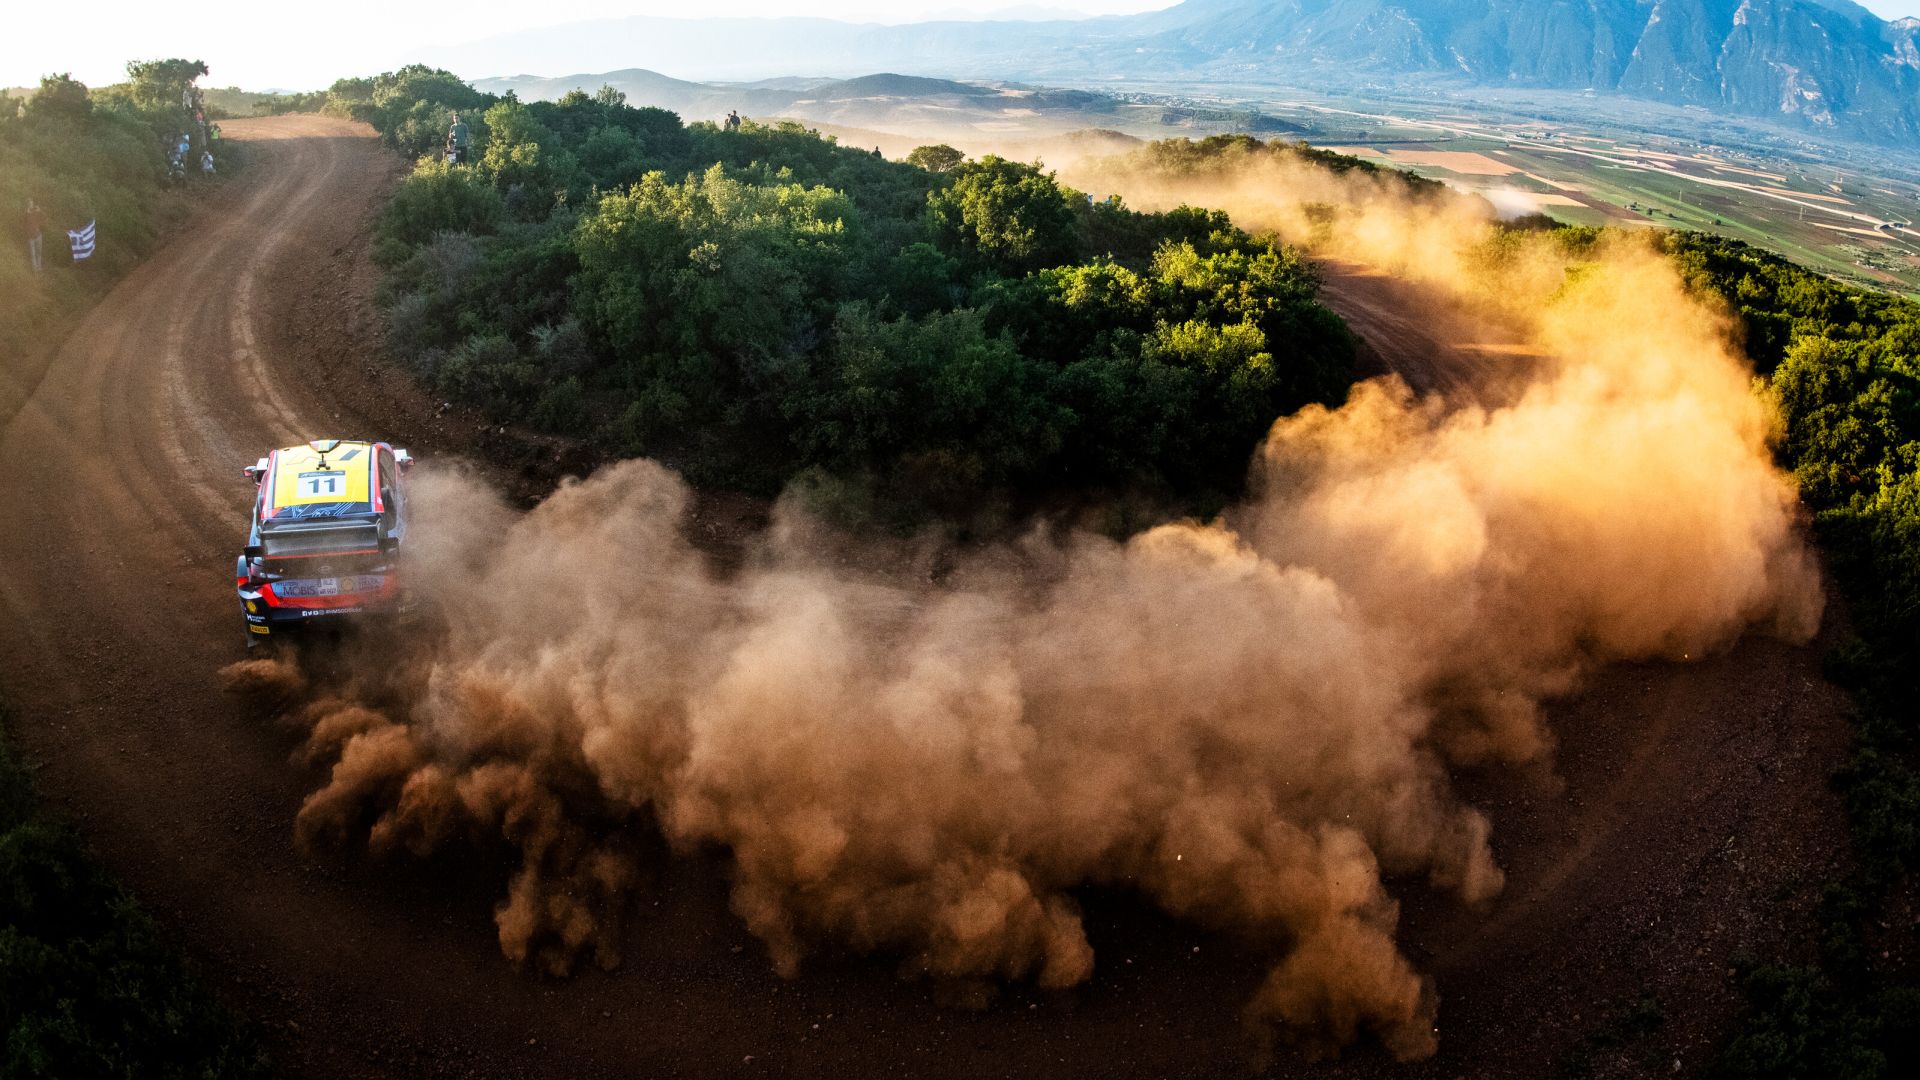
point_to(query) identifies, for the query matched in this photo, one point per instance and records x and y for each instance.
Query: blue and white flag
(82, 241)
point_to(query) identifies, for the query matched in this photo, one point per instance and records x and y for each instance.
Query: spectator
(457, 141)
(733, 121)
(206, 161)
(36, 220)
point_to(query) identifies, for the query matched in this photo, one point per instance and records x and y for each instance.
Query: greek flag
(82, 241)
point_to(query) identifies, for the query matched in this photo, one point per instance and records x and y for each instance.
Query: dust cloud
(1432, 235)
(1250, 721)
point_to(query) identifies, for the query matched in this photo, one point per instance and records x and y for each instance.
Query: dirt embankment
(1687, 800)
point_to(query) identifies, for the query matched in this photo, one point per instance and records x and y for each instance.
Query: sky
(288, 46)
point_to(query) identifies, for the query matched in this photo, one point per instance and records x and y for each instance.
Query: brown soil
(1417, 332)
(1689, 820)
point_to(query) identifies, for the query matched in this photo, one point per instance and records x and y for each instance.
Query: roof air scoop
(323, 447)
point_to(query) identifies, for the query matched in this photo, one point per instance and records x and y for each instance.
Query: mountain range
(1826, 65)
(888, 103)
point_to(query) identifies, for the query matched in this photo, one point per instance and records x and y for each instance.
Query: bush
(440, 198)
(86, 986)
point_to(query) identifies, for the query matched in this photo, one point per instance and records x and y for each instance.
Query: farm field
(1848, 212)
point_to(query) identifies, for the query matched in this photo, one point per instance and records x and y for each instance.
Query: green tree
(708, 289)
(517, 153)
(60, 98)
(939, 158)
(1005, 215)
(412, 107)
(157, 85)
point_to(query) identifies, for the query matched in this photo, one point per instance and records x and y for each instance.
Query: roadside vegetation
(87, 987)
(224, 103)
(88, 155)
(756, 306)
(1843, 365)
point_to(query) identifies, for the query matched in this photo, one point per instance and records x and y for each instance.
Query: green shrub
(440, 198)
(86, 986)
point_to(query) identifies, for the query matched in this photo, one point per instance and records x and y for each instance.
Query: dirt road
(1688, 797)
(1414, 331)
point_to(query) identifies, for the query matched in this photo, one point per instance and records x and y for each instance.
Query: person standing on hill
(457, 140)
(36, 227)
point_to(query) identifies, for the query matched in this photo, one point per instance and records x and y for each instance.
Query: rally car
(329, 519)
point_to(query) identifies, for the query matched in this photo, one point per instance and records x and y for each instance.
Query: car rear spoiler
(294, 540)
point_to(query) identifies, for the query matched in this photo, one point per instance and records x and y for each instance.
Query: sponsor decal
(328, 586)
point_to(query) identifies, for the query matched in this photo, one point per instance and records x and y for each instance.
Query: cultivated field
(1848, 211)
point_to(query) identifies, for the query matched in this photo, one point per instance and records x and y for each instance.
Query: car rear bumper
(265, 616)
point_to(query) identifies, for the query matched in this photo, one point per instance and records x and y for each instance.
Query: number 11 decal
(321, 483)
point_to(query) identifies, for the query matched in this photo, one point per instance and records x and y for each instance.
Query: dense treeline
(1844, 367)
(86, 986)
(226, 102)
(87, 155)
(752, 304)
(1243, 155)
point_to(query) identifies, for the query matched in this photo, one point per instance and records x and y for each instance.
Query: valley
(1846, 209)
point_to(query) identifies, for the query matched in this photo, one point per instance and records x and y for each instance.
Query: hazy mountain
(693, 100)
(1826, 64)
(842, 100)
(886, 102)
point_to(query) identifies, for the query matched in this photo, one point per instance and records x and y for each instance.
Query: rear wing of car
(311, 539)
